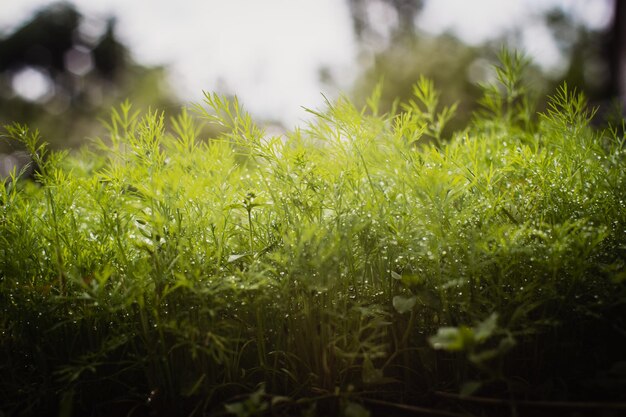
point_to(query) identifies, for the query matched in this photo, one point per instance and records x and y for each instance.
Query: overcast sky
(269, 52)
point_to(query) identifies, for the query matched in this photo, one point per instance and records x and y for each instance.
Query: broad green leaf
(485, 328)
(238, 409)
(411, 280)
(252, 406)
(452, 338)
(403, 304)
(483, 356)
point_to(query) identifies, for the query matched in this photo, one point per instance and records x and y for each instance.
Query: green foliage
(252, 406)
(183, 274)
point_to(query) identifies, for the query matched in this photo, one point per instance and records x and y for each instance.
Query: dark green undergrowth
(362, 261)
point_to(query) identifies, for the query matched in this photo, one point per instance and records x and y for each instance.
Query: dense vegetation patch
(359, 264)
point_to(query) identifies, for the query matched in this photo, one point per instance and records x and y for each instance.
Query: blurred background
(64, 64)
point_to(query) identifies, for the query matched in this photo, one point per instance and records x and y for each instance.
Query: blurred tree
(596, 58)
(108, 54)
(454, 67)
(393, 51)
(398, 53)
(362, 12)
(42, 42)
(58, 76)
(589, 53)
(616, 45)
